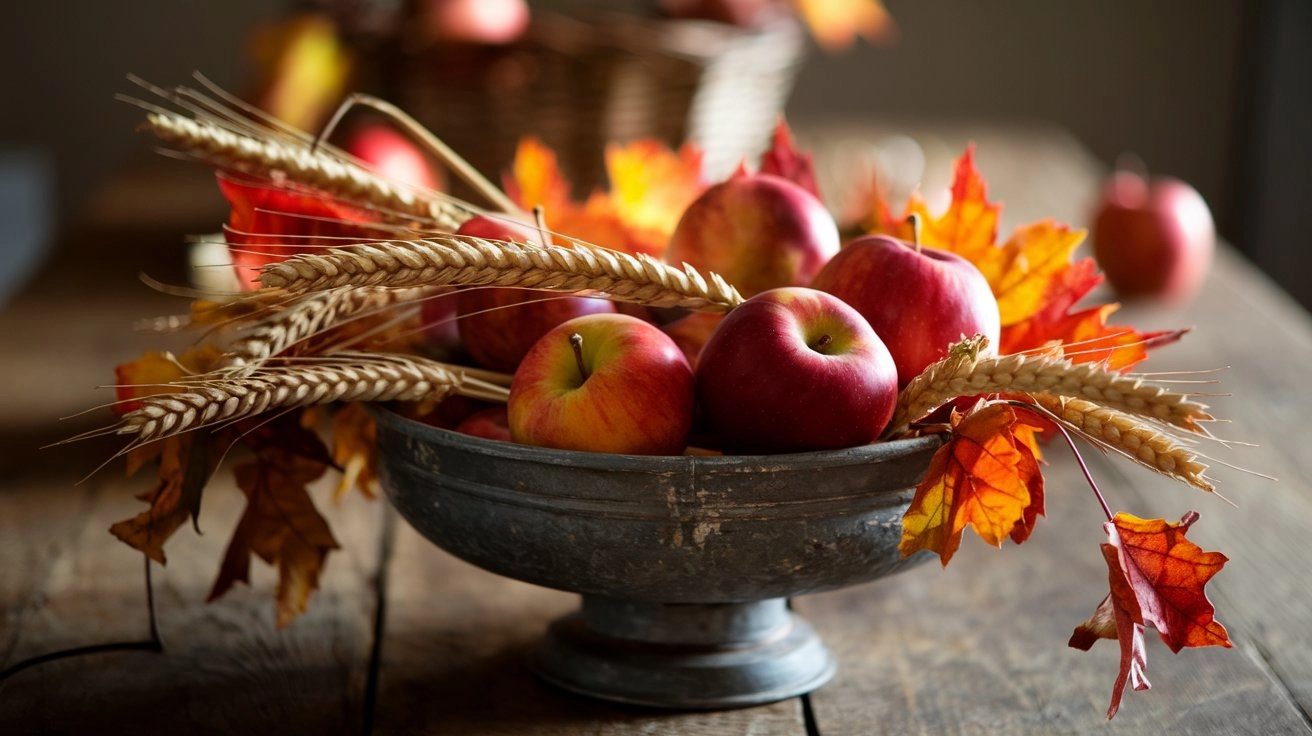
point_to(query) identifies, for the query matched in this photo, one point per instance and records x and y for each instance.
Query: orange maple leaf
(1033, 274)
(835, 24)
(650, 187)
(986, 476)
(1157, 578)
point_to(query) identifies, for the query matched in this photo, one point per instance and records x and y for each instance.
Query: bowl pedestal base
(684, 656)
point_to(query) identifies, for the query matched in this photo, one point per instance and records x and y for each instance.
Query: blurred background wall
(1212, 91)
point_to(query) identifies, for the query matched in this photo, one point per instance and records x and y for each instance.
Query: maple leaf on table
(1034, 274)
(1157, 578)
(280, 523)
(987, 476)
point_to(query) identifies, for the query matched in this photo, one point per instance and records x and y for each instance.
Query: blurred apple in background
(919, 300)
(758, 231)
(475, 21)
(1153, 239)
(498, 326)
(603, 383)
(792, 370)
(392, 154)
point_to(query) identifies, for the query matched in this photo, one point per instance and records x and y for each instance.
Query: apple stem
(540, 217)
(822, 342)
(914, 220)
(576, 342)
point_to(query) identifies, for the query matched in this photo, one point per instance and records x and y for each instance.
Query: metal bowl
(684, 562)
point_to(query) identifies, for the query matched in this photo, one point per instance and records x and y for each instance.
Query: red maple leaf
(1157, 578)
(267, 223)
(784, 160)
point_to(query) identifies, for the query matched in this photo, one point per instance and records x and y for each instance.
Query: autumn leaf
(835, 24)
(267, 223)
(354, 435)
(784, 160)
(535, 178)
(151, 374)
(1033, 274)
(649, 188)
(986, 476)
(280, 524)
(1157, 578)
(652, 185)
(185, 464)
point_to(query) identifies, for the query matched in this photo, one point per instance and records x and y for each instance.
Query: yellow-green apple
(1153, 239)
(499, 325)
(794, 369)
(919, 300)
(603, 383)
(758, 231)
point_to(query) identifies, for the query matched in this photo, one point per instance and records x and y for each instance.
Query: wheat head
(451, 259)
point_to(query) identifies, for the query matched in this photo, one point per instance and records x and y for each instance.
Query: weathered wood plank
(454, 661)
(981, 647)
(226, 669)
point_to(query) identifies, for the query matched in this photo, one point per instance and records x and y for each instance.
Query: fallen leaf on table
(1157, 578)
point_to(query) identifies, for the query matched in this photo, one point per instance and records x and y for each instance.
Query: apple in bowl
(919, 300)
(498, 325)
(795, 370)
(758, 231)
(603, 383)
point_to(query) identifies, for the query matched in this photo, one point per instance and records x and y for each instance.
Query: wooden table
(403, 638)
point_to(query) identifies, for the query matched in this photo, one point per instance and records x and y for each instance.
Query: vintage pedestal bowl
(685, 564)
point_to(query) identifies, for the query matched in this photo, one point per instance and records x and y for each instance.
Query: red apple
(489, 423)
(476, 21)
(437, 314)
(604, 383)
(691, 331)
(792, 370)
(1153, 239)
(498, 326)
(758, 231)
(392, 154)
(919, 300)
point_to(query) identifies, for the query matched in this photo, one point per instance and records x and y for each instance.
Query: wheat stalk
(305, 317)
(965, 372)
(451, 259)
(316, 168)
(217, 398)
(1127, 435)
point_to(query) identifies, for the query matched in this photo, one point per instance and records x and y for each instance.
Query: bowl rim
(870, 453)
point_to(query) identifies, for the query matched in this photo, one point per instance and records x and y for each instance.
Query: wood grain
(454, 661)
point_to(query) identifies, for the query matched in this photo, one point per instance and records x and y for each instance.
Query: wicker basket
(578, 86)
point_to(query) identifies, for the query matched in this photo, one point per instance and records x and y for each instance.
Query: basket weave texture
(580, 85)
